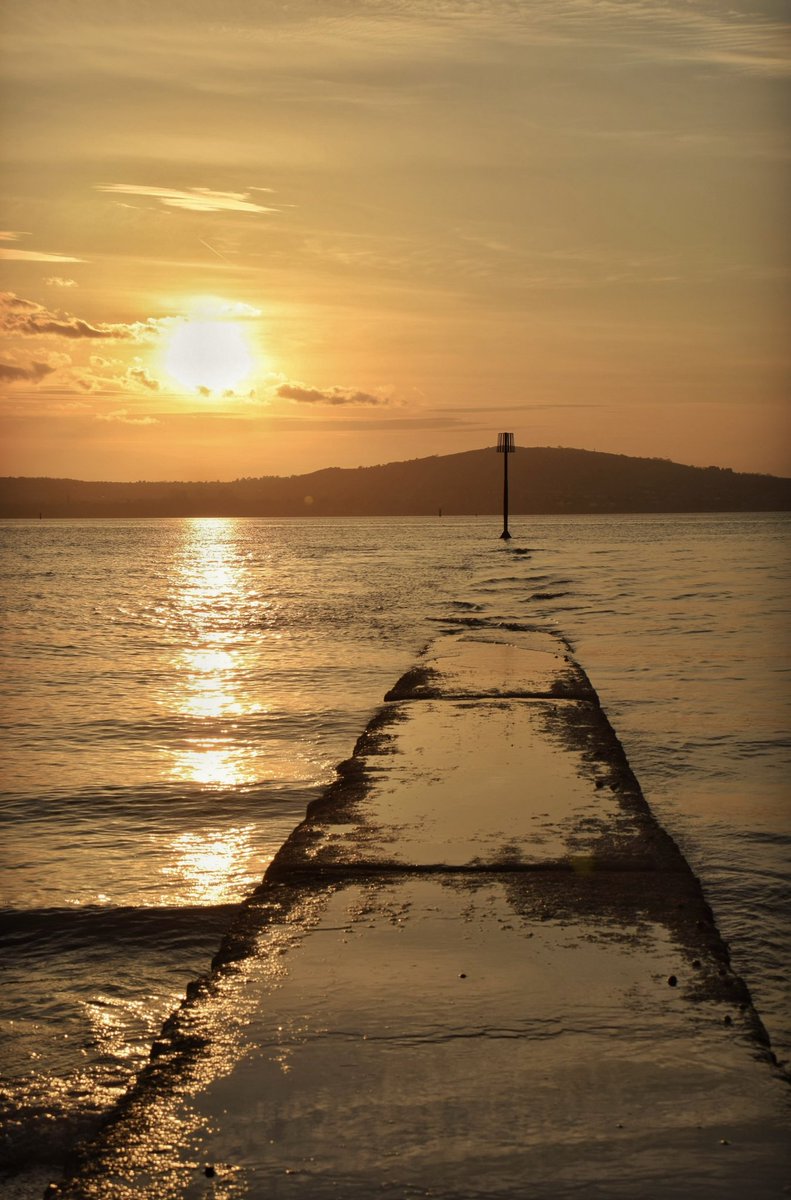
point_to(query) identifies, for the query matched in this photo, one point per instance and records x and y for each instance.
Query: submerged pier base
(479, 968)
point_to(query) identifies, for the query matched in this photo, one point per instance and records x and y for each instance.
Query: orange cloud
(194, 199)
(140, 375)
(122, 416)
(333, 396)
(37, 256)
(21, 316)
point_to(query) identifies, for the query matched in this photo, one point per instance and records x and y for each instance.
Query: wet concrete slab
(454, 783)
(479, 968)
(452, 1037)
(527, 665)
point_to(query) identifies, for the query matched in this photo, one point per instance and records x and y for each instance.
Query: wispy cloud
(37, 256)
(302, 394)
(57, 281)
(16, 255)
(202, 200)
(739, 38)
(123, 417)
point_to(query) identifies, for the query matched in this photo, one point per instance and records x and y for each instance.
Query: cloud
(20, 316)
(333, 396)
(10, 300)
(37, 256)
(194, 199)
(57, 281)
(237, 308)
(140, 375)
(213, 308)
(31, 374)
(230, 394)
(122, 416)
(111, 377)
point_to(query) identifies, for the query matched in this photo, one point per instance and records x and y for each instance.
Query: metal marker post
(505, 446)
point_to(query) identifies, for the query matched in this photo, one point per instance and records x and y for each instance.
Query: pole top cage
(505, 443)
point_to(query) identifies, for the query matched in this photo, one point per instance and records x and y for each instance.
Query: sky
(258, 238)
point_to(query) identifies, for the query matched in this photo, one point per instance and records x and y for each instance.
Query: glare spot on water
(206, 866)
(214, 764)
(211, 684)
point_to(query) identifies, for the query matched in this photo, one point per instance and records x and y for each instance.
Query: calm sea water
(176, 692)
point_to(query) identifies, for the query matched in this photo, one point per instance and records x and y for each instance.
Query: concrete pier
(479, 968)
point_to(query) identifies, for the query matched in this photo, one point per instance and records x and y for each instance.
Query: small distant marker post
(505, 446)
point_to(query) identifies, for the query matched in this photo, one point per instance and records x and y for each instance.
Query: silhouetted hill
(542, 480)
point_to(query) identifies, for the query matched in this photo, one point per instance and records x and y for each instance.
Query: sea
(175, 692)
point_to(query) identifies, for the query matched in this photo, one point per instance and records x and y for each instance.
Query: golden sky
(259, 238)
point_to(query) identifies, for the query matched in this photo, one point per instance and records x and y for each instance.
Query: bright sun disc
(209, 354)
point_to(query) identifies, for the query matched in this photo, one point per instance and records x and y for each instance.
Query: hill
(542, 480)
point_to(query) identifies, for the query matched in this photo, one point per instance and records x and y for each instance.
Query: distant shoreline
(218, 516)
(547, 481)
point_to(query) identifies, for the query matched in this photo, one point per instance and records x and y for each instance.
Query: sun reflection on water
(215, 602)
(213, 581)
(211, 683)
(207, 866)
(213, 589)
(218, 764)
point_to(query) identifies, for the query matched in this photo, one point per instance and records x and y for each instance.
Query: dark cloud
(334, 395)
(72, 328)
(31, 374)
(26, 317)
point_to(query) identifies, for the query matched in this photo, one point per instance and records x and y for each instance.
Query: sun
(211, 355)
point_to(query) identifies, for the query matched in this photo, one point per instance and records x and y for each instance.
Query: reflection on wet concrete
(476, 783)
(538, 666)
(478, 968)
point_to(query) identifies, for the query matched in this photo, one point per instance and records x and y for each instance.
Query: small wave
(177, 801)
(174, 726)
(495, 581)
(465, 622)
(37, 933)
